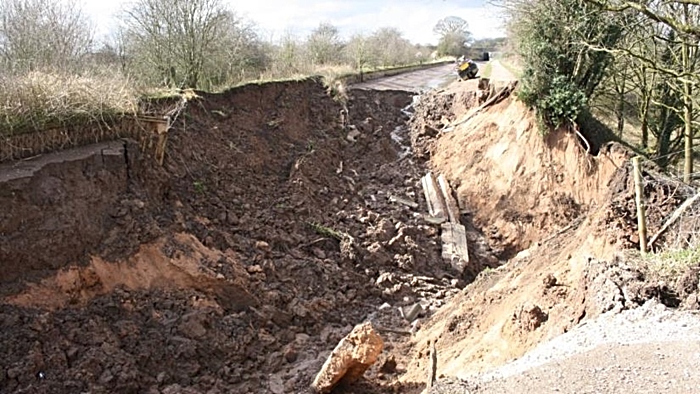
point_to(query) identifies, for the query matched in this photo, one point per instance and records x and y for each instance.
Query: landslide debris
(237, 266)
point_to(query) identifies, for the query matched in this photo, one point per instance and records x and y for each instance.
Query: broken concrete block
(411, 312)
(350, 359)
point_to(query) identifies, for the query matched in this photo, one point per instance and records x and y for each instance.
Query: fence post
(639, 199)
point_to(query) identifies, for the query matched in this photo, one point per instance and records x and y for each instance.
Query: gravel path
(500, 73)
(650, 349)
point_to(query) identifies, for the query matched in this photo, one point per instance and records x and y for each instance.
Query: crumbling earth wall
(263, 239)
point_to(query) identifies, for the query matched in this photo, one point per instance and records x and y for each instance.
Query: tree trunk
(688, 132)
(687, 105)
(620, 113)
(645, 123)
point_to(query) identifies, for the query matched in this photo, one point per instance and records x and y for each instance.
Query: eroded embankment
(555, 215)
(267, 234)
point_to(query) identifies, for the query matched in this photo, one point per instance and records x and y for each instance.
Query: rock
(353, 135)
(389, 365)
(385, 277)
(193, 325)
(262, 245)
(530, 317)
(255, 269)
(318, 253)
(291, 354)
(688, 282)
(691, 303)
(276, 385)
(549, 281)
(411, 312)
(353, 355)
(172, 389)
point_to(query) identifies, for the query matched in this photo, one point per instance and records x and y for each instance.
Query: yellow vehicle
(467, 70)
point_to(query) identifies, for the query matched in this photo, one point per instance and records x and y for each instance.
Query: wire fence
(676, 225)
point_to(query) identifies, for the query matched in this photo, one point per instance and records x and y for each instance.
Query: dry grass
(38, 101)
(671, 264)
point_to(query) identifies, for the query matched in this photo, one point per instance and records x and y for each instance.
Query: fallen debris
(432, 367)
(411, 312)
(450, 202)
(442, 205)
(436, 204)
(350, 359)
(454, 245)
(404, 201)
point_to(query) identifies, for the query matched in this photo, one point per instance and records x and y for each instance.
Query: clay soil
(237, 266)
(279, 220)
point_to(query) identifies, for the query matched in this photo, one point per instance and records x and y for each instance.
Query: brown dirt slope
(555, 215)
(236, 267)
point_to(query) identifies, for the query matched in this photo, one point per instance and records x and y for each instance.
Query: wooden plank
(454, 245)
(450, 202)
(436, 204)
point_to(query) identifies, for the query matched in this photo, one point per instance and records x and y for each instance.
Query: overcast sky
(415, 18)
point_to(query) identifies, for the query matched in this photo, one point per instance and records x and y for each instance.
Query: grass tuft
(329, 232)
(670, 264)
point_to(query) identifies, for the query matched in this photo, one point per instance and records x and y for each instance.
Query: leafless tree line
(182, 43)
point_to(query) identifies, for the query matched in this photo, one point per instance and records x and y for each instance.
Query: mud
(237, 266)
(281, 218)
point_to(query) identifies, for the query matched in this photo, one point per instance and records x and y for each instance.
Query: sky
(275, 18)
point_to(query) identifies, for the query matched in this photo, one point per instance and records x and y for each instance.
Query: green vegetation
(636, 62)
(671, 264)
(329, 232)
(560, 71)
(486, 71)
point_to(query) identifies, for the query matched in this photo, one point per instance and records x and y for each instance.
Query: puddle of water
(399, 136)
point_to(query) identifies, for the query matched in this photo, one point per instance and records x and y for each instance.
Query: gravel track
(650, 349)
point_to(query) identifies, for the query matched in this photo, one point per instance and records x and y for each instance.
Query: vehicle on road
(467, 69)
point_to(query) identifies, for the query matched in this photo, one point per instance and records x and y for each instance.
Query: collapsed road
(271, 229)
(286, 226)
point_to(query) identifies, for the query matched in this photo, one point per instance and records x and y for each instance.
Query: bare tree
(390, 48)
(678, 25)
(43, 34)
(181, 42)
(289, 57)
(358, 51)
(324, 44)
(454, 35)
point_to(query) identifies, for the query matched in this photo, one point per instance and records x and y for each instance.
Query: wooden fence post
(639, 199)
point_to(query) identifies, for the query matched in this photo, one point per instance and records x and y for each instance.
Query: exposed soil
(266, 236)
(281, 218)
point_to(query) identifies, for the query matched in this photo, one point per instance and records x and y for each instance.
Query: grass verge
(486, 72)
(41, 100)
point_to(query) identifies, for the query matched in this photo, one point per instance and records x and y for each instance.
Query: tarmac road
(416, 81)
